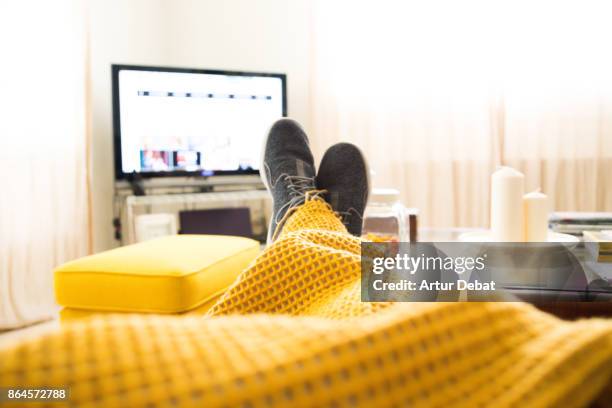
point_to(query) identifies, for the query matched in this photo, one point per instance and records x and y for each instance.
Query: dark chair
(217, 221)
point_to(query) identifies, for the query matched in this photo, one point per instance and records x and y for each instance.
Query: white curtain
(44, 204)
(439, 93)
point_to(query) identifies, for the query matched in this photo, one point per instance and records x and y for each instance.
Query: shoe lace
(298, 187)
(301, 189)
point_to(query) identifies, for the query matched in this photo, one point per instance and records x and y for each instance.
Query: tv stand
(171, 195)
(165, 185)
(129, 206)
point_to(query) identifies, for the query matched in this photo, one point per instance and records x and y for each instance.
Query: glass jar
(384, 219)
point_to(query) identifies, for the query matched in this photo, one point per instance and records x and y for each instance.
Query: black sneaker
(287, 170)
(344, 173)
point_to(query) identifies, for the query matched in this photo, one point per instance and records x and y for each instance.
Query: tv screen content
(171, 121)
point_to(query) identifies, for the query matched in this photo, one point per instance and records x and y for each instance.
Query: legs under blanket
(293, 332)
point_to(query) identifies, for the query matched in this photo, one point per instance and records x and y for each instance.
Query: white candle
(535, 206)
(507, 189)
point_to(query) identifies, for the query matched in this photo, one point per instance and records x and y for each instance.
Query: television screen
(171, 121)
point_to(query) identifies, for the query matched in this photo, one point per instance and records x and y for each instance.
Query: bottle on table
(385, 217)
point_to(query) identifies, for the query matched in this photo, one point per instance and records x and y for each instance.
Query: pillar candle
(535, 207)
(507, 189)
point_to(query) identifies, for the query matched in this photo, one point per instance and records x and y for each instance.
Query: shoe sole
(262, 172)
(369, 184)
(264, 179)
(368, 178)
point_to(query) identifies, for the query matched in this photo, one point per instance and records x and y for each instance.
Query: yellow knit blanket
(293, 332)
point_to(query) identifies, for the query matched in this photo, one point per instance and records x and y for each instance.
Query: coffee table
(591, 298)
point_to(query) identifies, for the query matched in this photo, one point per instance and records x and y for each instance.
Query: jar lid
(385, 195)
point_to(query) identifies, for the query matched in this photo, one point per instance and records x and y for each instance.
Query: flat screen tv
(192, 122)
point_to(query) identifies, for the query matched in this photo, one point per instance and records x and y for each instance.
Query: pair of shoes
(288, 172)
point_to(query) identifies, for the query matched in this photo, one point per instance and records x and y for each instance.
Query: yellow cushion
(69, 314)
(165, 275)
